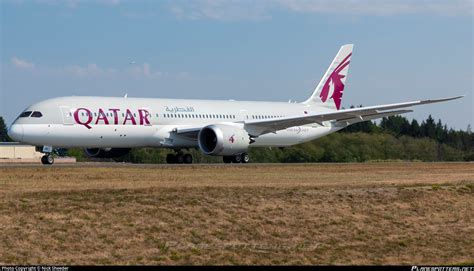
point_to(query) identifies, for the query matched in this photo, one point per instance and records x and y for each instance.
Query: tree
(3, 131)
(441, 132)
(396, 125)
(415, 129)
(428, 128)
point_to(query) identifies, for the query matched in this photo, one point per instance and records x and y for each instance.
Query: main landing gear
(179, 158)
(47, 159)
(238, 158)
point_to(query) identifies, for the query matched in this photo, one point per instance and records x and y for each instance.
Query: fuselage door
(244, 114)
(67, 115)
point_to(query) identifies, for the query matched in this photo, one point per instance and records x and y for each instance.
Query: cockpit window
(36, 114)
(25, 114)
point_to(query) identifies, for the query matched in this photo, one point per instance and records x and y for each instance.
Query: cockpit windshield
(25, 114)
(36, 114)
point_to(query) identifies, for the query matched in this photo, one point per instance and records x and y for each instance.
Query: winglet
(441, 100)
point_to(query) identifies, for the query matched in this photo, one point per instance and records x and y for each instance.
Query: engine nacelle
(222, 139)
(106, 152)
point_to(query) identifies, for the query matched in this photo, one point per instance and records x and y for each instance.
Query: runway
(130, 165)
(368, 213)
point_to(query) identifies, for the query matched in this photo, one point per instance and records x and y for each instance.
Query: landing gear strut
(179, 158)
(238, 158)
(47, 159)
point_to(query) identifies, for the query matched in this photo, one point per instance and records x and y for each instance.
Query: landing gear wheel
(179, 158)
(245, 157)
(227, 159)
(237, 158)
(47, 160)
(170, 158)
(188, 158)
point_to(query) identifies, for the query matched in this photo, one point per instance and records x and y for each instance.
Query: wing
(348, 116)
(188, 132)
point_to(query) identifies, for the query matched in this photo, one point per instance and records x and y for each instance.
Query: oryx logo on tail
(333, 82)
(334, 85)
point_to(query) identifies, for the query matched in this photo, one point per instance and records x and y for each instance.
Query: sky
(275, 50)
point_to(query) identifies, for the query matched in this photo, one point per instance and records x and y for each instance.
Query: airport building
(13, 152)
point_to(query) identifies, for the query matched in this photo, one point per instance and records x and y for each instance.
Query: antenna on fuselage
(126, 95)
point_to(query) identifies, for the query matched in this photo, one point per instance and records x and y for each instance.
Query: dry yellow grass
(379, 213)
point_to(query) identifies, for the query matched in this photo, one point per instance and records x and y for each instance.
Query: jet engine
(106, 152)
(222, 139)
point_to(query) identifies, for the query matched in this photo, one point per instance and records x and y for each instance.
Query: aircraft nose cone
(16, 132)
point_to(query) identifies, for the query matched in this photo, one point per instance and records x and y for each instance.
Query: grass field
(370, 213)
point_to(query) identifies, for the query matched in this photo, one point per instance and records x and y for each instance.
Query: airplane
(110, 126)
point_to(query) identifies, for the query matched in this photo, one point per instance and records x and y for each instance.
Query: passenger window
(25, 114)
(36, 114)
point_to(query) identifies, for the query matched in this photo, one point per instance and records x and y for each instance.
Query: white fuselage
(111, 122)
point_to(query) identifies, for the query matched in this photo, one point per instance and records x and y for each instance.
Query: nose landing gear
(47, 159)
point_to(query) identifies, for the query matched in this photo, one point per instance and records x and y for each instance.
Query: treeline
(394, 138)
(399, 126)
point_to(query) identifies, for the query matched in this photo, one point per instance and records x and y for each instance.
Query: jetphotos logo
(334, 84)
(112, 116)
